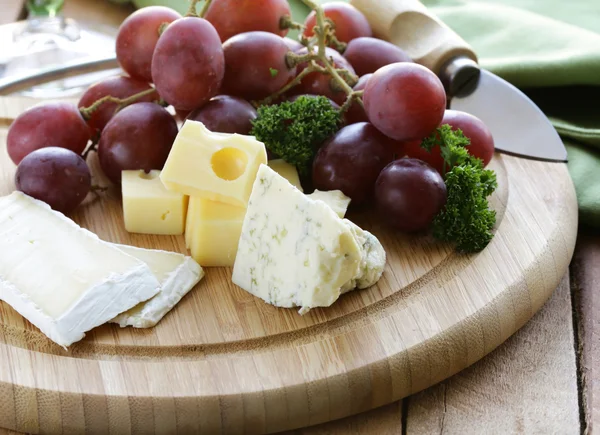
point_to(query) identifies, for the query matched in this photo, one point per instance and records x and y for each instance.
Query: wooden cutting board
(223, 360)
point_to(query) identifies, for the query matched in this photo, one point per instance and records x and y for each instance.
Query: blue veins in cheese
(373, 259)
(295, 251)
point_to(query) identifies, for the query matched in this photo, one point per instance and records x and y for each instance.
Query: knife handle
(425, 38)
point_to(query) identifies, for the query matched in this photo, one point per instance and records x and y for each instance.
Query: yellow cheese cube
(192, 218)
(148, 207)
(216, 166)
(215, 231)
(287, 171)
(333, 198)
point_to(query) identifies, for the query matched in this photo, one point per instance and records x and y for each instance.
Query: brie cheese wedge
(61, 277)
(177, 275)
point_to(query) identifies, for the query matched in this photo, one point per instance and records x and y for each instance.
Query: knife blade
(518, 126)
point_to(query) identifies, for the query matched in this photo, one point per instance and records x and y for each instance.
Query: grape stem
(191, 12)
(205, 8)
(87, 112)
(324, 35)
(286, 22)
(289, 86)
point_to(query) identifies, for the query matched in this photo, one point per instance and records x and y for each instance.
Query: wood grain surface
(387, 419)
(586, 274)
(528, 385)
(223, 360)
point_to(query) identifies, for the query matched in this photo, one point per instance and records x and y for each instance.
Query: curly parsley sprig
(467, 219)
(294, 131)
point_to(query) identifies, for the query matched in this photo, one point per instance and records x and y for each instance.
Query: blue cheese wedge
(61, 277)
(293, 251)
(177, 275)
(373, 259)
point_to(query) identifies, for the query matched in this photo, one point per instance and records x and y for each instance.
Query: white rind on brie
(177, 275)
(61, 277)
(94, 308)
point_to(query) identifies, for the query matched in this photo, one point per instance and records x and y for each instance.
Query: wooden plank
(386, 420)
(504, 393)
(528, 385)
(586, 273)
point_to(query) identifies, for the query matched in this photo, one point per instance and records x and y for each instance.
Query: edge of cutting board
(450, 317)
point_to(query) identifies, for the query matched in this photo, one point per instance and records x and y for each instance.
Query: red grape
(181, 115)
(356, 113)
(118, 87)
(231, 17)
(317, 83)
(413, 149)
(226, 114)
(57, 176)
(482, 142)
(409, 194)
(367, 54)
(58, 124)
(351, 160)
(188, 63)
(255, 65)
(293, 45)
(137, 39)
(138, 137)
(349, 22)
(405, 101)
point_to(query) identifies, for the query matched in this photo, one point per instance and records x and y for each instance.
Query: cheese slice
(61, 277)
(293, 251)
(372, 262)
(334, 199)
(177, 275)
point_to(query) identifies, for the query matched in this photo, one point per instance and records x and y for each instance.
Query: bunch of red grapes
(209, 69)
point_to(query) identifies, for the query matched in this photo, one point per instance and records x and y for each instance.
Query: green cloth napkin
(551, 50)
(548, 48)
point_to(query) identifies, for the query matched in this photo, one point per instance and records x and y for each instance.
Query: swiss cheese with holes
(215, 166)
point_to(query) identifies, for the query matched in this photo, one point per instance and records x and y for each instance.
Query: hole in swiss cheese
(229, 163)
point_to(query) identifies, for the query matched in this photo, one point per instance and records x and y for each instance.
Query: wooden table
(542, 380)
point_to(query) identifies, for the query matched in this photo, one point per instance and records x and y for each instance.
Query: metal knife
(518, 126)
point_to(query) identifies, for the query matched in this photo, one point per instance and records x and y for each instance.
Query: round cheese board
(223, 360)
